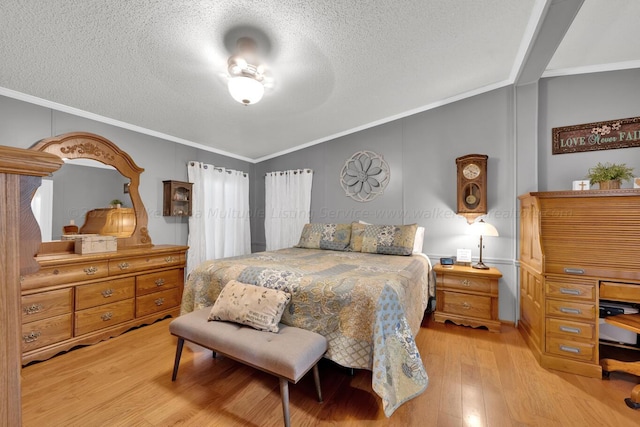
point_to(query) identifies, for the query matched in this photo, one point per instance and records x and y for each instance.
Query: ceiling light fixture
(246, 76)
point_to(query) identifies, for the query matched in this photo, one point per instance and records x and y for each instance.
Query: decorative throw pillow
(389, 239)
(325, 236)
(255, 306)
(357, 233)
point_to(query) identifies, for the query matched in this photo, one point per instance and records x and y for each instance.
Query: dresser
(576, 249)
(83, 299)
(467, 296)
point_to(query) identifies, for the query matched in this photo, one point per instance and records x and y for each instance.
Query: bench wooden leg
(177, 361)
(316, 378)
(284, 394)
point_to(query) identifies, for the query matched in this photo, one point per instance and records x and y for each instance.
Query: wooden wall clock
(472, 186)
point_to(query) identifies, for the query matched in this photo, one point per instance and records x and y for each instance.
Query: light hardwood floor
(476, 378)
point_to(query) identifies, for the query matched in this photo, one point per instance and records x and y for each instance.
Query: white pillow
(418, 240)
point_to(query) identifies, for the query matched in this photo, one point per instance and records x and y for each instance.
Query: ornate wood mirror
(83, 145)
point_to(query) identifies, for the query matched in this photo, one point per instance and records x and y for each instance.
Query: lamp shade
(245, 90)
(481, 228)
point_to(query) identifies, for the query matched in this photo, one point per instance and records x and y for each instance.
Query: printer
(614, 333)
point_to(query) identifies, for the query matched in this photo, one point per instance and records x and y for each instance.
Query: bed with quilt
(361, 286)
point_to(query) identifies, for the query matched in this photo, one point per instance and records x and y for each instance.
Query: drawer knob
(90, 271)
(466, 305)
(466, 282)
(32, 309)
(31, 337)
(159, 282)
(170, 259)
(123, 265)
(568, 349)
(568, 310)
(107, 293)
(566, 291)
(159, 301)
(107, 316)
(570, 330)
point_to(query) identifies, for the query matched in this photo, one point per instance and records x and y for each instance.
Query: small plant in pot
(116, 203)
(609, 176)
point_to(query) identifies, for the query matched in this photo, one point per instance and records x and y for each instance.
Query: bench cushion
(290, 353)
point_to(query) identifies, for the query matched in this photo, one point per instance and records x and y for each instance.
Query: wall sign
(621, 133)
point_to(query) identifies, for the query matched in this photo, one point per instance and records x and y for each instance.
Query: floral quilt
(368, 306)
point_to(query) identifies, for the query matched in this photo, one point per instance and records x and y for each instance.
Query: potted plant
(116, 203)
(609, 176)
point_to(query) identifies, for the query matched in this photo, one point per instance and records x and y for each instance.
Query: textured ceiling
(337, 66)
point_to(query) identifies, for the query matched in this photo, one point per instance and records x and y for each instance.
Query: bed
(369, 306)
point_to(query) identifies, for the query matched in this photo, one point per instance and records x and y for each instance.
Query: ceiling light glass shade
(245, 89)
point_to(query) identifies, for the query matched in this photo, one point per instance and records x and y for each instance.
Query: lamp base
(480, 265)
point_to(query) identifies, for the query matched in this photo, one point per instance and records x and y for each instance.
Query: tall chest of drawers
(83, 299)
(576, 249)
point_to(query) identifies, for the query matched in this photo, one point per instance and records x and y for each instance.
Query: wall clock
(472, 186)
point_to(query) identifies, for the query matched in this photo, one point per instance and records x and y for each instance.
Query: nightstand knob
(466, 282)
(466, 305)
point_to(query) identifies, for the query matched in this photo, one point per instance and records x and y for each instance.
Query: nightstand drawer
(467, 305)
(568, 328)
(571, 310)
(95, 318)
(466, 283)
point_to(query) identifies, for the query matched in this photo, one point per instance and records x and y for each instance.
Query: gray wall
(22, 124)
(573, 100)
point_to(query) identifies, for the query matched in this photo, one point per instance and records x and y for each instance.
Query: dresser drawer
(154, 282)
(65, 273)
(573, 349)
(570, 290)
(467, 284)
(620, 291)
(134, 265)
(467, 305)
(95, 318)
(47, 331)
(46, 304)
(158, 301)
(571, 310)
(568, 328)
(106, 292)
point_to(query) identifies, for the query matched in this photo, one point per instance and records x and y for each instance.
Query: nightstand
(467, 296)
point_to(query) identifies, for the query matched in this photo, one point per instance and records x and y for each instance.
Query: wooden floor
(476, 378)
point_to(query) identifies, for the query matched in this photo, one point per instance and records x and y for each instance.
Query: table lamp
(481, 228)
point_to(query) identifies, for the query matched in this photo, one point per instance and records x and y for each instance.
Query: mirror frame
(85, 145)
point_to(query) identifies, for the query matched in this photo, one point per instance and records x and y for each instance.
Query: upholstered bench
(288, 354)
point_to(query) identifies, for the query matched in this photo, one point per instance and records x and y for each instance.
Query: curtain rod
(205, 166)
(294, 171)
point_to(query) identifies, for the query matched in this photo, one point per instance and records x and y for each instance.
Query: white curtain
(287, 207)
(219, 224)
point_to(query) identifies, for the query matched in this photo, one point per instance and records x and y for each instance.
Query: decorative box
(92, 244)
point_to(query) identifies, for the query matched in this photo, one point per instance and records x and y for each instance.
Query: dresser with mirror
(78, 299)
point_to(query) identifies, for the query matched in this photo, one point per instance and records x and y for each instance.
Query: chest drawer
(134, 265)
(65, 273)
(158, 301)
(103, 316)
(570, 290)
(467, 284)
(46, 304)
(573, 349)
(467, 305)
(106, 292)
(569, 328)
(154, 282)
(46, 331)
(571, 310)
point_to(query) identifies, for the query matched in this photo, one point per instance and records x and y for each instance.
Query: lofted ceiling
(159, 67)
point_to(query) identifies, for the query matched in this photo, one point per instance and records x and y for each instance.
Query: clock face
(471, 171)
